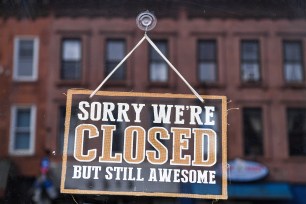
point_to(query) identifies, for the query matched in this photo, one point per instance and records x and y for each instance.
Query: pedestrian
(44, 182)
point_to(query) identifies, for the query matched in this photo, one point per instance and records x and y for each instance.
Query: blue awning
(263, 191)
(260, 191)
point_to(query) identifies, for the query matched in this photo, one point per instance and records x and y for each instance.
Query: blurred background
(252, 51)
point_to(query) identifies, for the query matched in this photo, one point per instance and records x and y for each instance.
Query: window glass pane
(158, 67)
(252, 131)
(26, 48)
(71, 59)
(250, 50)
(71, 70)
(293, 72)
(25, 67)
(115, 50)
(22, 141)
(296, 124)
(162, 46)
(293, 66)
(207, 50)
(23, 118)
(25, 58)
(207, 72)
(293, 51)
(250, 72)
(119, 74)
(72, 50)
(158, 72)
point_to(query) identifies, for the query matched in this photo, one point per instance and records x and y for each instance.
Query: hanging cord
(174, 69)
(117, 67)
(161, 54)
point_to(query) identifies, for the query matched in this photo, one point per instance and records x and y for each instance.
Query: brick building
(250, 51)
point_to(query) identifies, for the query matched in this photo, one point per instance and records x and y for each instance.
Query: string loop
(146, 37)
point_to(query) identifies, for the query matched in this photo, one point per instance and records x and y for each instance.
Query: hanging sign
(143, 144)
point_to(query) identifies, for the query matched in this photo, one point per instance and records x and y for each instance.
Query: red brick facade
(24, 93)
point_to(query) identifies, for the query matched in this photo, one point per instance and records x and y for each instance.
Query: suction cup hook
(146, 21)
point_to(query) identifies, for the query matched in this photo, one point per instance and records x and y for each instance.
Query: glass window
(71, 59)
(293, 61)
(26, 58)
(22, 130)
(158, 67)
(115, 52)
(207, 60)
(296, 123)
(253, 131)
(250, 61)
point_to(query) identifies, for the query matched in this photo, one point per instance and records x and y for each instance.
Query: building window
(22, 130)
(293, 61)
(71, 59)
(158, 66)
(25, 58)
(115, 52)
(253, 131)
(207, 60)
(250, 61)
(296, 122)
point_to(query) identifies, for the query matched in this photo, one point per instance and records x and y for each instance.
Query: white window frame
(31, 149)
(16, 77)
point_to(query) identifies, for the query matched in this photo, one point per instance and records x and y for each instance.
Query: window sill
(296, 158)
(158, 85)
(253, 85)
(210, 85)
(118, 83)
(21, 153)
(294, 85)
(19, 82)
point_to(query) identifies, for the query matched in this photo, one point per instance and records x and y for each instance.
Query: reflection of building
(254, 56)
